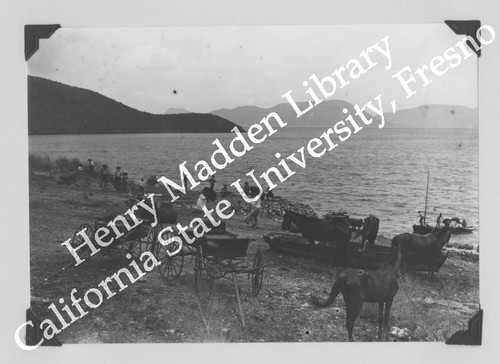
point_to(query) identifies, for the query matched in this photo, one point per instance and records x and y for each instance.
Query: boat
(426, 229)
(353, 257)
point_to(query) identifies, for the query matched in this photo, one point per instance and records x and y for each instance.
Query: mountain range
(56, 108)
(326, 113)
(329, 112)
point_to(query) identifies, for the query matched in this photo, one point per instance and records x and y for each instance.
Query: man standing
(438, 221)
(421, 218)
(91, 167)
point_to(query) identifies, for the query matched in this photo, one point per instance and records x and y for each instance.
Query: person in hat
(224, 192)
(212, 182)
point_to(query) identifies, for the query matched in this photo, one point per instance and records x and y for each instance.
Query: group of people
(252, 217)
(119, 179)
(446, 222)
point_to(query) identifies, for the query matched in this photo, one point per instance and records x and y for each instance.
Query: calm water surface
(383, 172)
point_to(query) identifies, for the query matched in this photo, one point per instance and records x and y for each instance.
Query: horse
(429, 245)
(369, 231)
(373, 286)
(331, 230)
(210, 194)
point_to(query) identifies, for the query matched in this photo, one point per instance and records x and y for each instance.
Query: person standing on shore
(269, 195)
(91, 167)
(253, 216)
(104, 175)
(212, 182)
(224, 192)
(142, 185)
(438, 221)
(118, 179)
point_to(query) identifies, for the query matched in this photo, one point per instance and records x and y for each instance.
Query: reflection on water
(383, 172)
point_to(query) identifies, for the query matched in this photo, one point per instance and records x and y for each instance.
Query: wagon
(218, 254)
(134, 242)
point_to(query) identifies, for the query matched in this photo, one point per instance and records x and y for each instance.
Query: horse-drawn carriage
(218, 254)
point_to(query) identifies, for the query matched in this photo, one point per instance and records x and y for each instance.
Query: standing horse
(429, 245)
(370, 231)
(359, 286)
(332, 230)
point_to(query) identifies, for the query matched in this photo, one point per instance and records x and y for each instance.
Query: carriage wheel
(170, 266)
(78, 240)
(152, 240)
(132, 244)
(258, 273)
(214, 266)
(198, 267)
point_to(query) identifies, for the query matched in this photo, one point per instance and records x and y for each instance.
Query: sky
(202, 69)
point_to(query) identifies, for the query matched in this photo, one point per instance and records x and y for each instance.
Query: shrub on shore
(39, 163)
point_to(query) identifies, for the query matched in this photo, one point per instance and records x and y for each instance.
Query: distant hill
(325, 114)
(329, 112)
(433, 116)
(56, 108)
(177, 110)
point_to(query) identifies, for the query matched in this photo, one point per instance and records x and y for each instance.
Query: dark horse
(429, 245)
(210, 194)
(332, 230)
(370, 230)
(359, 286)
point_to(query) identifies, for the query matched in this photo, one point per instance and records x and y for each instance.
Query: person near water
(104, 175)
(269, 195)
(142, 185)
(124, 182)
(224, 192)
(91, 167)
(438, 221)
(202, 201)
(464, 223)
(246, 189)
(118, 179)
(212, 182)
(253, 217)
(421, 221)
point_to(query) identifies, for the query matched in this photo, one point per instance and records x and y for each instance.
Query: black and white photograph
(199, 186)
(277, 189)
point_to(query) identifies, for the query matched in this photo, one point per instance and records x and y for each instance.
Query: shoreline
(168, 311)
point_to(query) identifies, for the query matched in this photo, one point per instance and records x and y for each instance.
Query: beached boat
(426, 229)
(353, 257)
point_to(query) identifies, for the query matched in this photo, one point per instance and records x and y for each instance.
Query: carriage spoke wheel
(152, 240)
(79, 240)
(198, 267)
(170, 265)
(214, 266)
(257, 273)
(132, 244)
